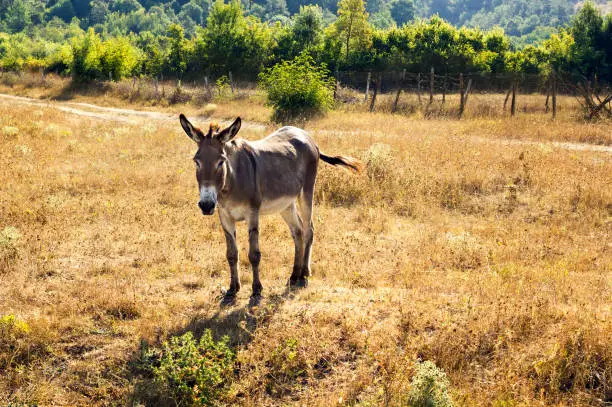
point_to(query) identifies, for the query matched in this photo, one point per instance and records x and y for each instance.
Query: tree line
(229, 40)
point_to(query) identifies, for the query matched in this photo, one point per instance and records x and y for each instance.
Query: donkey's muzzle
(207, 207)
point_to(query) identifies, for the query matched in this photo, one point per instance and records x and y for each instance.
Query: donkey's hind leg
(290, 215)
(306, 204)
(254, 253)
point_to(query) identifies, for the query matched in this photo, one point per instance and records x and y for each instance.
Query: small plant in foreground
(429, 387)
(195, 373)
(13, 341)
(287, 364)
(298, 89)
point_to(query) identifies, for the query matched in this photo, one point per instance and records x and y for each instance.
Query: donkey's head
(211, 162)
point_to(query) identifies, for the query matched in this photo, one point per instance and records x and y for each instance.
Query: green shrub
(195, 373)
(429, 387)
(92, 58)
(298, 89)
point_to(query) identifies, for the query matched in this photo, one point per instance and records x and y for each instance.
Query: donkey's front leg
(254, 253)
(229, 227)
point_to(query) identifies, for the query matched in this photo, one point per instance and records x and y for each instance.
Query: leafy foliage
(402, 11)
(195, 373)
(352, 26)
(119, 38)
(429, 387)
(298, 88)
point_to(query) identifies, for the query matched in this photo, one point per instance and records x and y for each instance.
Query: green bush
(429, 387)
(92, 58)
(195, 373)
(298, 88)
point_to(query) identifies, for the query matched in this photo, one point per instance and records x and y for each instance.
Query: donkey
(247, 179)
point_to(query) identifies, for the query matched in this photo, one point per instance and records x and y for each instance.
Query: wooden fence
(431, 87)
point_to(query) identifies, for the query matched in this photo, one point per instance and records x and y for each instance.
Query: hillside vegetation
(122, 39)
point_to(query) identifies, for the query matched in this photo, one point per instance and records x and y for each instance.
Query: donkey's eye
(197, 163)
(220, 164)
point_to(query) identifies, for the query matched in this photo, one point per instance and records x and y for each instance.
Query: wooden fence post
(399, 91)
(507, 97)
(367, 87)
(444, 90)
(231, 82)
(460, 95)
(207, 87)
(467, 92)
(554, 95)
(376, 90)
(513, 102)
(548, 86)
(431, 85)
(336, 83)
(419, 87)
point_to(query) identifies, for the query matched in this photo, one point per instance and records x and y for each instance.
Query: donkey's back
(285, 161)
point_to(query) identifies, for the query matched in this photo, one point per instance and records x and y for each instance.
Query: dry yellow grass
(491, 259)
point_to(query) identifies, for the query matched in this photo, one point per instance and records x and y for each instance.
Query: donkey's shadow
(238, 323)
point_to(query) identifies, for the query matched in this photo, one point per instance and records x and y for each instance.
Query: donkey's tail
(343, 161)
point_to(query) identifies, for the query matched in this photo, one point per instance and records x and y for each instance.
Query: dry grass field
(478, 245)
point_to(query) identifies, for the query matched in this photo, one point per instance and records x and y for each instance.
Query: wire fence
(440, 88)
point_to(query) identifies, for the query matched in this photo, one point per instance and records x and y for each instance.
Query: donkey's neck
(240, 157)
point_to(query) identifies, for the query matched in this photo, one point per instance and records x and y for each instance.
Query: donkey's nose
(207, 207)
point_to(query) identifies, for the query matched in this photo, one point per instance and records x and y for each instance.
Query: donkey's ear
(194, 133)
(229, 133)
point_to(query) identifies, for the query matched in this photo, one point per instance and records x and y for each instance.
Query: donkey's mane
(213, 127)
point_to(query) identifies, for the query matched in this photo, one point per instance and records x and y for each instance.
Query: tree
(193, 11)
(231, 42)
(17, 16)
(382, 19)
(99, 10)
(63, 9)
(303, 33)
(154, 56)
(273, 9)
(352, 25)
(81, 8)
(119, 58)
(125, 6)
(307, 26)
(587, 30)
(179, 50)
(402, 11)
(86, 53)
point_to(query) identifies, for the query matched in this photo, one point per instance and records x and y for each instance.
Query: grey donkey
(246, 179)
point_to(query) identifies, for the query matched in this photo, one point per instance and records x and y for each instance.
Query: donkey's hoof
(228, 299)
(301, 282)
(255, 300)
